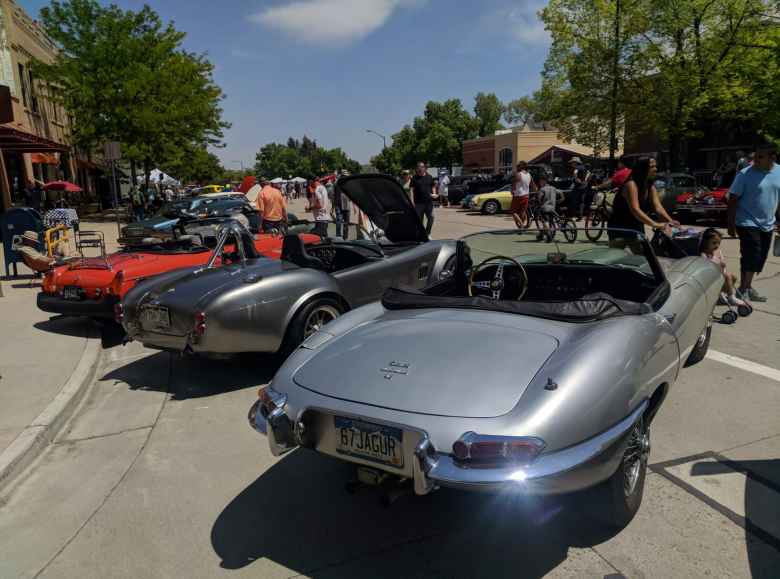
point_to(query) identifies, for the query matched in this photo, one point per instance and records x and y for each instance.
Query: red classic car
(703, 204)
(91, 286)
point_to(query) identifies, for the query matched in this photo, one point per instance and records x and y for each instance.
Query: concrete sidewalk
(43, 362)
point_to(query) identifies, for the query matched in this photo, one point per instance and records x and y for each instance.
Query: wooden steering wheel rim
(476, 269)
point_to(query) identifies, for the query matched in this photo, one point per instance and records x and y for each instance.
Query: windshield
(172, 209)
(614, 248)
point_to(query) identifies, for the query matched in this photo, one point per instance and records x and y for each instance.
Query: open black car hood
(383, 200)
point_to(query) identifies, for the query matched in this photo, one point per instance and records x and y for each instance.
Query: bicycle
(556, 223)
(596, 219)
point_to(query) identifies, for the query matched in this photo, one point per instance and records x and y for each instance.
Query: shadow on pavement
(63, 325)
(298, 515)
(762, 509)
(187, 377)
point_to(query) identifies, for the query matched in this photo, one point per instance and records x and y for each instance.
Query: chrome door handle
(670, 318)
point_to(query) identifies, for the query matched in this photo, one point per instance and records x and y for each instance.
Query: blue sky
(333, 68)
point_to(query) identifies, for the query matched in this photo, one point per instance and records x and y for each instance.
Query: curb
(26, 447)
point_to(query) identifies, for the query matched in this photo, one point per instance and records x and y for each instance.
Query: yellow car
(493, 202)
(211, 189)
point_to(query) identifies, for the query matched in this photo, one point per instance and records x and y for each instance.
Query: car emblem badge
(395, 367)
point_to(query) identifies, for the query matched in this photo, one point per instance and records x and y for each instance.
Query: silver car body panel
(249, 305)
(604, 375)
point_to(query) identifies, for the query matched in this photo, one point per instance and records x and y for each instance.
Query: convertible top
(589, 308)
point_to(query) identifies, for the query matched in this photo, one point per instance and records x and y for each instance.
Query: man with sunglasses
(753, 214)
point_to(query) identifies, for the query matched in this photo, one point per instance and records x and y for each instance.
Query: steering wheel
(496, 286)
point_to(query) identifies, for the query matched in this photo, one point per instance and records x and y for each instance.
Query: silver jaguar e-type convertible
(242, 302)
(534, 368)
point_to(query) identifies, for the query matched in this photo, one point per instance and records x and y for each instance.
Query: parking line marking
(747, 365)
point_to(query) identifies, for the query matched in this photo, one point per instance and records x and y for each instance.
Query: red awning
(19, 141)
(45, 158)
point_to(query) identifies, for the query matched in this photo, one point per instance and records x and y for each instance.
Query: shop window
(23, 84)
(505, 160)
(33, 96)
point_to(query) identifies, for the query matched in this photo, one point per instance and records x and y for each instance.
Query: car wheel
(308, 320)
(617, 499)
(701, 347)
(490, 207)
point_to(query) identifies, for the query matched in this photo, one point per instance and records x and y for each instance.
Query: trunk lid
(409, 365)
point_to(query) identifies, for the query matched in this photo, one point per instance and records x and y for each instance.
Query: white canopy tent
(154, 177)
(298, 180)
(277, 180)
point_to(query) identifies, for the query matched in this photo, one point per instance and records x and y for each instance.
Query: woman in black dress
(636, 200)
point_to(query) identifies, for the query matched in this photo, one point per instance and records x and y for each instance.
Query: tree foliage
(436, 137)
(302, 158)
(671, 61)
(488, 110)
(122, 75)
(195, 165)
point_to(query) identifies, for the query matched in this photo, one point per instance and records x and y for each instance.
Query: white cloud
(522, 24)
(330, 21)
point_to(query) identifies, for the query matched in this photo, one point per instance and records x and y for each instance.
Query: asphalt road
(159, 475)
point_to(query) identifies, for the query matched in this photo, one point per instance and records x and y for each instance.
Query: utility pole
(615, 69)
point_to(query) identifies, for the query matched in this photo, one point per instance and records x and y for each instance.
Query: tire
(745, 310)
(728, 318)
(594, 227)
(569, 230)
(490, 207)
(304, 323)
(702, 345)
(616, 501)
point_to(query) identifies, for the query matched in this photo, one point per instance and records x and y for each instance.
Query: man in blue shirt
(753, 213)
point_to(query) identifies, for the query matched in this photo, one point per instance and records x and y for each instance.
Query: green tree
(195, 165)
(436, 138)
(488, 110)
(521, 112)
(122, 75)
(661, 63)
(302, 158)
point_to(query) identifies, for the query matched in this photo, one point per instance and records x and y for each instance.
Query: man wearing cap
(753, 212)
(272, 207)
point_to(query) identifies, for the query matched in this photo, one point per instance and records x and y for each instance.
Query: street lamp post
(381, 136)
(240, 163)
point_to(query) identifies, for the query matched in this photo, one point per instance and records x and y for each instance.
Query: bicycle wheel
(594, 226)
(569, 230)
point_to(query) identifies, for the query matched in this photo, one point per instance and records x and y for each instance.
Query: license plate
(700, 209)
(156, 317)
(374, 442)
(72, 293)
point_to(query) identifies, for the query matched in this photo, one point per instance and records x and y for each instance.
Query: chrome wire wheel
(635, 456)
(319, 317)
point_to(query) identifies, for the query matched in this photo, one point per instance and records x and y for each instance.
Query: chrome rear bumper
(572, 469)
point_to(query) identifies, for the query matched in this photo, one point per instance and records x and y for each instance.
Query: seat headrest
(292, 246)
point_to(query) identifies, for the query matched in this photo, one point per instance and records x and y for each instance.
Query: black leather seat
(294, 251)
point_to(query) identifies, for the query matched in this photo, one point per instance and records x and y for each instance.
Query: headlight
(316, 340)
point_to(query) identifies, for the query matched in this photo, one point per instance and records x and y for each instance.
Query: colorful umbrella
(62, 186)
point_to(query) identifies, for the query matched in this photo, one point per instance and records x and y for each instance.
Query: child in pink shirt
(710, 248)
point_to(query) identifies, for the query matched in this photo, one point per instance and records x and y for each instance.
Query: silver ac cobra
(242, 302)
(534, 368)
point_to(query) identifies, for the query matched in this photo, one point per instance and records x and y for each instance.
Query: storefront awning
(45, 158)
(13, 140)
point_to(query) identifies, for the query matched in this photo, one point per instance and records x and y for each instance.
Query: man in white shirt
(522, 185)
(444, 189)
(319, 205)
